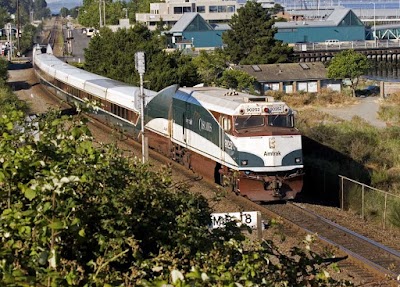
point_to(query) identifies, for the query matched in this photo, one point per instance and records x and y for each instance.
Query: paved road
(367, 109)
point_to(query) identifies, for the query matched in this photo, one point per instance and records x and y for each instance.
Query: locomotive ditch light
(266, 110)
(241, 111)
(244, 162)
(247, 172)
(297, 159)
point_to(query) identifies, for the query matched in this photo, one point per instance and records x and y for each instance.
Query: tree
(210, 65)
(41, 10)
(26, 40)
(89, 14)
(4, 16)
(111, 55)
(64, 12)
(238, 80)
(74, 12)
(3, 71)
(251, 38)
(348, 64)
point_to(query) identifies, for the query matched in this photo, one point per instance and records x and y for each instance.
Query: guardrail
(321, 46)
(370, 203)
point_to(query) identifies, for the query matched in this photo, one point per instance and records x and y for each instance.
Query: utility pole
(104, 12)
(101, 18)
(374, 34)
(18, 28)
(10, 49)
(140, 67)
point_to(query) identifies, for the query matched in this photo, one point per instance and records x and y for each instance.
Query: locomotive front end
(268, 152)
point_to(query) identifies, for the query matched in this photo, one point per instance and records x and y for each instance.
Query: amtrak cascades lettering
(272, 153)
(205, 126)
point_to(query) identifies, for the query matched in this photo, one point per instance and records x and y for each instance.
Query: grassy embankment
(375, 150)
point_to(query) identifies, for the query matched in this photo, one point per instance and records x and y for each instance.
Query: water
(387, 73)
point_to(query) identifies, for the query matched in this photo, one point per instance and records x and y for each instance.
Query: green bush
(73, 214)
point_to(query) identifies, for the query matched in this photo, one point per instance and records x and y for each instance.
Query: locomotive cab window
(246, 122)
(286, 121)
(226, 124)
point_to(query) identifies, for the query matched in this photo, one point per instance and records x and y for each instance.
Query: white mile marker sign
(249, 218)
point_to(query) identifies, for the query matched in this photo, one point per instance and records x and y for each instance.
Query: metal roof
(273, 73)
(333, 19)
(185, 21)
(338, 15)
(222, 100)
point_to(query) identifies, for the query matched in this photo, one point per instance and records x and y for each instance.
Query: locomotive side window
(245, 122)
(226, 124)
(281, 121)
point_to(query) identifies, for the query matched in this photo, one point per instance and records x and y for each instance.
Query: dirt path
(367, 108)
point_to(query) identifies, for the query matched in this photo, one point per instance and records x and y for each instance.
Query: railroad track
(377, 259)
(51, 34)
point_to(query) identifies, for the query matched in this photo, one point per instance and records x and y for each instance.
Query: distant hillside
(56, 5)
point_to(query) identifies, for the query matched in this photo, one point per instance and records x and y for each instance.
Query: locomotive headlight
(244, 162)
(297, 159)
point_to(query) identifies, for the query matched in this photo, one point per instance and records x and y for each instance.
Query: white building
(213, 11)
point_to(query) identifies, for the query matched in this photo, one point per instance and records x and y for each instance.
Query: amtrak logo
(272, 153)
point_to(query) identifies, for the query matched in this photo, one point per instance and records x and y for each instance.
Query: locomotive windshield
(285, 121)
(246, 122)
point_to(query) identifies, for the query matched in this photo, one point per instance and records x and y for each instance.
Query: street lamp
(374, 23)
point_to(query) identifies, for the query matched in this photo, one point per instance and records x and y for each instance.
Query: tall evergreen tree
(251, 38)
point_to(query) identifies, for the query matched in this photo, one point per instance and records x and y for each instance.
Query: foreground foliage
(73, 214)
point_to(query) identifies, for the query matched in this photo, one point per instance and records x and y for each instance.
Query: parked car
(371, 90)
(332, 42)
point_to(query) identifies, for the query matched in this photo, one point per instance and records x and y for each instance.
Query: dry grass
(389, 110)
(325, 98)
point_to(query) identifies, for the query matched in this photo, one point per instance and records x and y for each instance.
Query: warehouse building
(291, 77)
(341, 25)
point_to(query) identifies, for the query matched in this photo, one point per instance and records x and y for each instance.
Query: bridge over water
(379, 50)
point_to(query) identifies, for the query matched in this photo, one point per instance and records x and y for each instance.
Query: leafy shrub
(9, 101)
(76, 215)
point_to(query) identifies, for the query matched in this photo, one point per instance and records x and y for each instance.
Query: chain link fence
(370, 203)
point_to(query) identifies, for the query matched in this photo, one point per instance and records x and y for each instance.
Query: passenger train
(246, 142)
